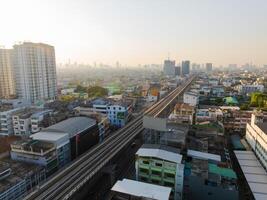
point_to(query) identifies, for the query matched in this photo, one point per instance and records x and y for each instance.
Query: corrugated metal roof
(141, 189)
(48, 136)
(159, 153)
(203, 155)
(72, 126)
(254, 173)
(225, 172)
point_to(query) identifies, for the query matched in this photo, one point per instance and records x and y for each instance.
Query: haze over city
(133, 100)
(141, 32)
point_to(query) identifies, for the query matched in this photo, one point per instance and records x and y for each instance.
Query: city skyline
(141, 32)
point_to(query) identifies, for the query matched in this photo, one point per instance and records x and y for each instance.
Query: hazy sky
(141, 31)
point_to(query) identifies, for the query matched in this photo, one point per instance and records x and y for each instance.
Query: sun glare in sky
(133, 31)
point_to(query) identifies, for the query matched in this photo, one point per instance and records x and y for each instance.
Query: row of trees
(94, 91)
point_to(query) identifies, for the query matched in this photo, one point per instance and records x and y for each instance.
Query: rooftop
(222, 171)
(18, 172)
(230, 100)
(72, 126)
(48, 136)
(39, 113)
(254, 173)
(204, 155)
(31, 146)
(191, 93)
(186, 106)
(141, 189)
(161, 152)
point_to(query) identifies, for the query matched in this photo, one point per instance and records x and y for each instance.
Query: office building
(169, 67)
(208, 67)
(256, 136)
(35, 71)
(161, 165)
(7, 88)
(185, 67)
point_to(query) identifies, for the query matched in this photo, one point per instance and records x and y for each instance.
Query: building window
(144, 170)
(145, 162)
(156, 173)
(168, 184)
(169, 175)
(158, 164)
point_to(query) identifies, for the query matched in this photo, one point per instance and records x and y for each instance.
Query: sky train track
(68, 181)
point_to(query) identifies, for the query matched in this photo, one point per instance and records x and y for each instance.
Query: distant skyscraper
(177, 71)
(208, 67)
(35, 71)
(7, 88)
(169, 67)
(185, 67)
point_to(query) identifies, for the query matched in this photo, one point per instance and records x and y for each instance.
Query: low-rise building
(119, 113)
(191, 98)
(6, 124)
(17, 179)
(61, 142)
(38, 118)
(235, 120)
(207, 178)
(217, 91)
(210, 114)
(248, 89)
(82, 132)
(22, 122)
(182, 113)
(35, 152)
(161, 166)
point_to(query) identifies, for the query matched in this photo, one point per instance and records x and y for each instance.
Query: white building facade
(35, 71)
(191, 98)
(6, 123)
(118, 114)
(247, 89)
(257, 138)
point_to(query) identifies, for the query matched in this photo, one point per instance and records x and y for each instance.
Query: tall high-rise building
(177, 71)
(208, 67)
(169, 67)
(7, 88)
(35, 71)
(185, 67)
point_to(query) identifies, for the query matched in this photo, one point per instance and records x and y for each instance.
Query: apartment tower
(35, 71)
(7, 88)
